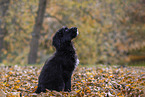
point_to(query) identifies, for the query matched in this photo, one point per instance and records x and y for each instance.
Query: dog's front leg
(67, 81)
(68, 85)
(40, 89)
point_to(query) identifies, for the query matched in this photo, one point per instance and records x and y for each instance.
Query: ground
(98, 80)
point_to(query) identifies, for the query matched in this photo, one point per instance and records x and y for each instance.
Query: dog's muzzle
(75, 30)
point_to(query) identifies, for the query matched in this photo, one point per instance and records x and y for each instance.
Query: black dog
(57, 71)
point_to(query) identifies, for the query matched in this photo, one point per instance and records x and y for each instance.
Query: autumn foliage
(110, 81)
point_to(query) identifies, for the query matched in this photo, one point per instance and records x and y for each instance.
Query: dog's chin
(75, 35)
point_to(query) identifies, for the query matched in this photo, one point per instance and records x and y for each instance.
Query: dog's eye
(65, 27)
(66, 30)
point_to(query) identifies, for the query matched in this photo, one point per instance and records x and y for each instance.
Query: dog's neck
(66, 47)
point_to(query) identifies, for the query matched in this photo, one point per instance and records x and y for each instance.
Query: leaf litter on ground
(99, 81)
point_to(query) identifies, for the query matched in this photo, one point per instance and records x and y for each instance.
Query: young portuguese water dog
(57, 71)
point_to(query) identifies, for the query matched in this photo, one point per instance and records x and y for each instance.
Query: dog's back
(57, 71)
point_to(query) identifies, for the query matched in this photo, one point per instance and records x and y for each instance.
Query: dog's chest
(77, 62)
(70, 62)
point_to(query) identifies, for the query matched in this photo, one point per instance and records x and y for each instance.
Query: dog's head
(64, 35)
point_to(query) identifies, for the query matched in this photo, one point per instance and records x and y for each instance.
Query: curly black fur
(57, 71)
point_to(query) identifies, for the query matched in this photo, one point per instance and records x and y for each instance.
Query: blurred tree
(19, 29)
(136, 29)
(108, 29)
(112, 35)
(36, 32)
(4, 4)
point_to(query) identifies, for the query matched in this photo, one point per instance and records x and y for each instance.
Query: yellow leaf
(110, 86)
(128, 85)
(10, 73)
(118, 94)
(77, 91)
(110, 76)
(88, 73)
(7, 85)
(16, 87)
(113, 93)
(18, 81)
(88, 91)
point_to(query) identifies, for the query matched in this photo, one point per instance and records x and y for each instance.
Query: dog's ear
(56, 41)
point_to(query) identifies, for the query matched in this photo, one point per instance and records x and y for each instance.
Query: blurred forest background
(111, 31)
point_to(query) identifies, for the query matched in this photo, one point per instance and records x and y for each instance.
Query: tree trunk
(1, 43)
(4, 4)
(36, 32)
